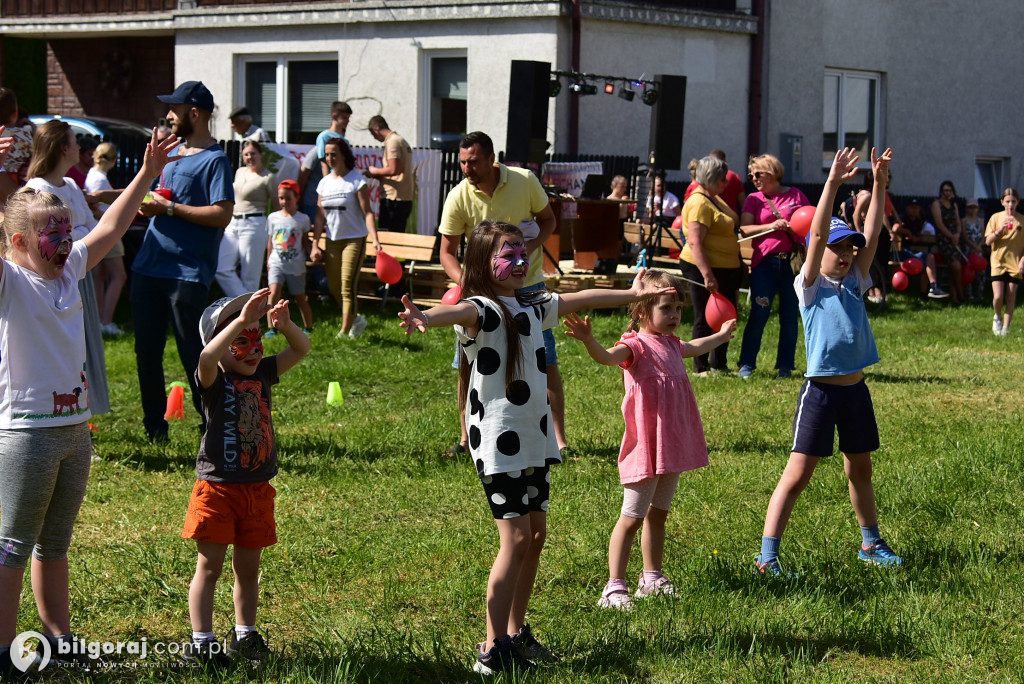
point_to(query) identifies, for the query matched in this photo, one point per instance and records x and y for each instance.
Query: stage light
(609, 88)
(554, 87)
(626, 95)
(583, 88)
(649, 96)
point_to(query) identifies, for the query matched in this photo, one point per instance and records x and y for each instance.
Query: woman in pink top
(766, 214)
(654, 450)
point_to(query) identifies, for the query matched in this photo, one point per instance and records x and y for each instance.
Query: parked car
(130, 138)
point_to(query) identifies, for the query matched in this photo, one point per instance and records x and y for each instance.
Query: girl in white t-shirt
(45, 449)
(508, 418)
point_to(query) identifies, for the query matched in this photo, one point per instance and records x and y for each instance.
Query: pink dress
(664, 433)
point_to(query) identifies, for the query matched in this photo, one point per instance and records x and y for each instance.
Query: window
(851, 113)
(310, 84)
(449, 95)
(988, 176)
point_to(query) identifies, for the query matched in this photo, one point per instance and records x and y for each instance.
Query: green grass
(385, 545)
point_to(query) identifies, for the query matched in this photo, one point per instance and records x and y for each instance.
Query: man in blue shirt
(172, 272)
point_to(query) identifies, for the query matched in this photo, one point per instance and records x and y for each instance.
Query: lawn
(385, 544)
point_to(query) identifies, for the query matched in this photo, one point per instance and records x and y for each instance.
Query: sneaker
(876, 299)
(615, 596)
(785, 373)
(270, 333)
(206, 655)
(9, 672)
(746, 371)
(530, 648)
(502, 657)
(111, 329)
(774, 568)
(80, 660)
(251, 647)
(307, 331)
(879, 553)
(936, 292)
(358, 326)
(1004, 332)
(997, 324)
(662, 586)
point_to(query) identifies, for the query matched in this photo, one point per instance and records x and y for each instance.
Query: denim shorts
(823, 410)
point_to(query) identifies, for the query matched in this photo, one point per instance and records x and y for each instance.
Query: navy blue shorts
(517, 493)
(823, 409)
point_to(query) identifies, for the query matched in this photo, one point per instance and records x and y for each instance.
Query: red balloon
(912, 266)
(900, 280)
(389, 270)
(978, 263)
(452, 296)
(801, 219)
(718, 311)
(966, 274)
(677, 223)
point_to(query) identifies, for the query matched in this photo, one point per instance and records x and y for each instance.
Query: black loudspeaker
(667, 123)
(526, 138)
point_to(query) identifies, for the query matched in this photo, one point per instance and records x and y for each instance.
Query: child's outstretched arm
(442, 315)
(298, 344)
(115, 222)
(844, 168)
(605, 298)
(581, 329)
(252, 312)
(704, 345)
(876, 210)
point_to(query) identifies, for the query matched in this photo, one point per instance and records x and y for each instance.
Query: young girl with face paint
(508, 419)
(232, 501)
(45, 450)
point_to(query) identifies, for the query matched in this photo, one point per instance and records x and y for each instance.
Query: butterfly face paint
(55, 239)
(248, 341)
(510, 260)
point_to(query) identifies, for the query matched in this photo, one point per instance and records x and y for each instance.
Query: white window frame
(283, 61)
(1000, 166)
(426, 86)
(843, 74)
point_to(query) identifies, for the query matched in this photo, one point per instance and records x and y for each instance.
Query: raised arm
(582, 330)
(442, 315)
(844, 168)
(298, 343)
(252, 312)
(876, 210)
(604, 298)
(115, 222)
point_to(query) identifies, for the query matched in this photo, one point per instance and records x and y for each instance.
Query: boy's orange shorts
(232, 513)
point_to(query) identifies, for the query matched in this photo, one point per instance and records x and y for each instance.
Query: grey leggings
(43, 473)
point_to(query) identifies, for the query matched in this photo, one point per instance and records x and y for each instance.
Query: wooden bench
(668, 241)
(425, 282)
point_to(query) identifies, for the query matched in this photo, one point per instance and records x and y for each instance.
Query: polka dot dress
(508, 428)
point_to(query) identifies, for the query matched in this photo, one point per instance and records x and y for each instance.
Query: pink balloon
(912, 266)
(718, 311)
(452, 296)
(801, 219)
(389, 270)
(900, 280)
(677, 223)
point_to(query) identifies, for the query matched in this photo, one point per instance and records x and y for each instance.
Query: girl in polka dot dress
(508, 418)
(654, 450)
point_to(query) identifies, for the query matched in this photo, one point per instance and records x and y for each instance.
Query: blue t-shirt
(174, 247)
(836, 328)
(321, 142)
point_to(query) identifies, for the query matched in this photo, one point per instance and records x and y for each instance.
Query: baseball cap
(220, 310)
(289, 184)
(838, 230)
(914, 201)
(190, 92)
(972, 202)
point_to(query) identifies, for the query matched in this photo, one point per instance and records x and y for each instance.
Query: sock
(870, 534)
(615, 584)
(242, 631)
(203, 637)
(651, 576)
(770, 548)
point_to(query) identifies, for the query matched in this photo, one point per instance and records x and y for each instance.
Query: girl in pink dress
(654, 450)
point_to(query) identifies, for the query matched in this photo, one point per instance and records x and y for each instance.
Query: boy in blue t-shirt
(840, 345)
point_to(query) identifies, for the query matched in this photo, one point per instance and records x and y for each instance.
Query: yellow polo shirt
(720, 244)
(518, 197)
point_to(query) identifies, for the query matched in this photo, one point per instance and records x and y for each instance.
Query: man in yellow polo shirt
(513, 195)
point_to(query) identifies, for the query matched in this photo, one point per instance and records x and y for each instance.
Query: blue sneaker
(746, 371)
(879, 553)
(773, 568)
(270, 333)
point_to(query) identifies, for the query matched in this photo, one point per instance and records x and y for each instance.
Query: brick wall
(118, 78)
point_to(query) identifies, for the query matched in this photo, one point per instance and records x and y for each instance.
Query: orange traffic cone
(176, 402)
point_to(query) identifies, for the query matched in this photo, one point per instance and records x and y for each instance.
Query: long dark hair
(478, 280)
(346, 151)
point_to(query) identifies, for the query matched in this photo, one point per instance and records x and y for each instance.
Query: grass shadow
(892, 379)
